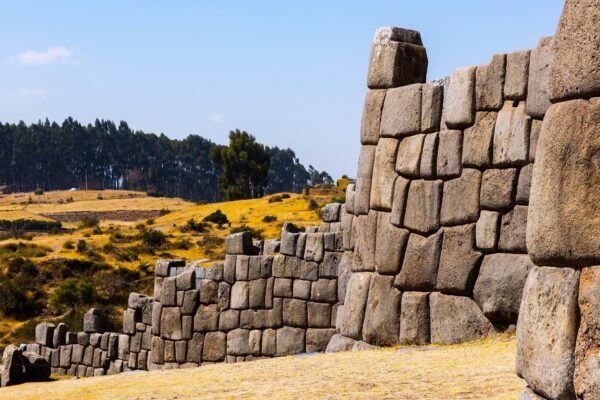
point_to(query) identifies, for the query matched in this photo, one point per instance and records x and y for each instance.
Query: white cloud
(52, 55)
(27, 93)
(216, 119)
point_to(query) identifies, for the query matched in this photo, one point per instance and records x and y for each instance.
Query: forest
(49, 156)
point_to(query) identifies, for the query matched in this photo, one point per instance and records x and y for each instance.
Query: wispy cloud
(32, 58)
(27, 93)
(216, 119)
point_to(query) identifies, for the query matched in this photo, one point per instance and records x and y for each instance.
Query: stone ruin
(475, 208)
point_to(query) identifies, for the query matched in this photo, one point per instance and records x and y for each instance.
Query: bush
(285, 196)
(81, 246)
(338, 199)
(269, 218)
(68, 245)
(217, 217)
(72, 292)
(29, 225)
(89, 222)
(152, 238)
(200, 227)
(256, 233)
(150, 221)
(38, 191)
(164, 211)
(312, 204)
(154, 193)
(275, 199)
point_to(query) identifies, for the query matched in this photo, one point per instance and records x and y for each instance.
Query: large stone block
(399, 203)
(239, 243)
(206, 319)
(414, 318)
(517, 75)
(390, 245)
(214, 347)
(366, 239)
(460, 102)
(456, 319)
(382, 314)
(324, 290)
(458, 260)
(401, 115)
(538, 97)
(239, 295)
(44, 334)
(294, 313)
(563, 223)
(362, 190)
(511, 135)
(524, 184)
(513, 230)
(397, 58)
(290, 341)
(575, 71)
(422, 212)
(238, 342)
(486, 232)
(536, 128)
(498, 188)
(431, 110)
(428, 165)
(489, 87)
(499, 287)
(371, 117)
(319, 315)
(460, 204)
(449, 156)
(478, 140)
(37, 368)
(314, 249)
(339, 343)
(12, 371)
(170, 323)
(547, 331)
(408, 161)
(331, 212)
(354, 305)
(384, 174)
(420, 265)
(317, 339)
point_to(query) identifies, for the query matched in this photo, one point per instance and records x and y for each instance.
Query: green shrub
(150, 221)
(217, 217)
(38, 191)
(89, 222)
(152, 238)
(200, 227)
(275, 199)
(312, 204)
(164, 211)
(81, 246)
(269, 218)
(68, 245)
(285, 196)
(29, 225)
(72, 292)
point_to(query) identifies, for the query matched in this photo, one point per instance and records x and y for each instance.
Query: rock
(350, 198)
(524, 184)
(431, 106)
(37, 368)
(317, 339)
(324, 290)
(390, 245)
(229, 319)
(44, 334)
(238, 342)
(239, 295)
(399, 203)
(12, 371)
(490, 84)
(339, 343)
(499, 287)
(59, 336)
(185, 280)
(562, 227)
(170, 323)
(319, 315)
(371, 117)
(498, 188)
(272, 247)
(478, 140)
(366, 238)
(329, 267)
(290, 341)
(536, 127)
(242, 265)
(422, 212)
(384, 174)
(129, 320)
(214, 347)
(513, 231)
(511, 136)
(301, 289)
(289, 238)
(331, 212)
(414, 318)
(314, 250)
(164, 267)
(456, 319)
(429, 156)
(354, 305)
(458, 260)
(460, 102)
(408, 161)
(206, 319)
(362, 191)
(575, 71)
(538, 97)
(269, 342)
(256, 293)
(420, 266)
(294, 313)
(239, 243)
(396, 59)
(169, 292)
(190, 300)
(529, 394)
(547, 331)
(382, 312)
(449, 154)
(486, 230)
(460, 204)
(401, 115)
(517, 75)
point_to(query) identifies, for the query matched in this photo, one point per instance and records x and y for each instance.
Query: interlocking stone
(206, 318)
(499, 287)
(478, 140)
(408, 161)
(366, 238)
(239, 243)
(214, 347)
(294, 313)
(301, 289)
(170, 323)
(239, 295)
(331, 212)
(460, 202)
(269, 342)
(511, 135)
(290, 341)
(487, 229)
(324, 290)
(354, 305)
(350, 194)
(401, 115)
(538, 97)
(458, 260)
(460, 102)
(431, 110)
(456, 319)
(547, 331)
(489, 87)
(390, 245)
(382, 312)
(420, 265)
(524, 184)
(362, 191)
(513, 230)
(429, 156)
(238, 342)
(371, 117)
(340, 343)
(536, 127)
(414, 318)
(384, 174)
(517, 75)
(314, 249)
(422, 213)
(498, 188)
(44, 334)
(317, 339)
(399, 203)
(319, 315)
(449, 154)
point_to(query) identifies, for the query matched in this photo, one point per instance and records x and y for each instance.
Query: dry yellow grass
(481, 370)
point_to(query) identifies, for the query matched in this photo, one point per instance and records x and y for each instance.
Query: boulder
(371, 117)
(290, 341)
(460, 101)
(460, 204)
(401, 115)
(354, 305)
(59, 337)
(547, 331)
(239, 243)
(432, 96)
(456, 319)
(339, 343)
(384, 174)
(511, 135)
(498, 188)
(517, 75)
(37, 368)
(362, 190)
(420, 265)
(382, 312)
(428, 165)
(318, 339)
(422, 213)
(478, 140)
(12, 371)
(458, 260)
(390, 245)
(449, 154)
(490, 84)
(408, 161)
(414, 318)
(538, 97)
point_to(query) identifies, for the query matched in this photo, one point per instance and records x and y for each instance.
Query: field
(480, 370)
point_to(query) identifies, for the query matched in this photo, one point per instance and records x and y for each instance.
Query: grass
(479, 370)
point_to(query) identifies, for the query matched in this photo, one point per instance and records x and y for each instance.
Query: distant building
(91, 185)
(5, 189)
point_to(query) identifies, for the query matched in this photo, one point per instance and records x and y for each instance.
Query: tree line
(58, 157)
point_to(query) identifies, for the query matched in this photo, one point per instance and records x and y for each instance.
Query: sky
(293, 74)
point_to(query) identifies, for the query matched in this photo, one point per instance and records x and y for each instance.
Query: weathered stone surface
(294, 313)
(37, 368)
(460, 102)
(269, 342)
(456, 319)
(396, 59)
(460, 203)
(414, 318)
(129, 321)
(429, 156)
(458, 260)
(371, 117)
(317, 339)
(170, 323)
(399, 203)
(319, 315)
(511, 135)
(324, 290)
(513, 230)
(239, 295)
(382, 314)
(538, 97)
(536, 127)
(60, 335)
(331, 212)
(185, 280)
(498, 188)
(478, 140)
(431, 110)
(489, 88)
(238, 342)
(362, 190)
(563, 218)
(420, 266)
(169, 292)
(529, 394)
(354, 305)
(229, 319)
(256, 293)
(290, 341)
(487, 229)
(547, 331)
(12, 372)
(499, 287)
(524, 184)
(449, 155)
(517, 75)
(314, 250)
(206, 319)
(350, 193)
(190, 301)
(390, 245)
(408, 161)
(339, 343)
(401, 115)
(366, 238)
(301, 289)
(422, 212)
(239, 243)
(575, 71)
(384, 174)
(44, 334)
(214, 347)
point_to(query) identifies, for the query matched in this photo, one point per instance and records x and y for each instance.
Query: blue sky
(291, 73)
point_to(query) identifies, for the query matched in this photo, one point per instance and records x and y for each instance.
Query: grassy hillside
(480, 370)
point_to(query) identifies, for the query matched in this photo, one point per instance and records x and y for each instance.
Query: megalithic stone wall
(439, 209)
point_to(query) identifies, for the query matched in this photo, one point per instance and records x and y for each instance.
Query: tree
(72, 292)
(217, 217)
